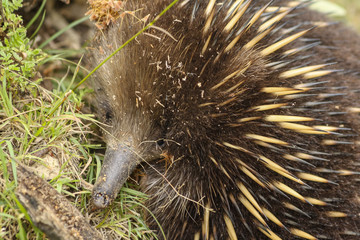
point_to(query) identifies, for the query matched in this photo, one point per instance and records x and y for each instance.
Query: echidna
(244, 116)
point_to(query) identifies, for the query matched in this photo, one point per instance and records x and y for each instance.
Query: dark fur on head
(201, 115)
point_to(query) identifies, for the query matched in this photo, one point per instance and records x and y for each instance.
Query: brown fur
(153, 89)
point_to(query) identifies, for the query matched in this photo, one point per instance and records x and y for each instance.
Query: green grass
(352, 8)
(347, 11)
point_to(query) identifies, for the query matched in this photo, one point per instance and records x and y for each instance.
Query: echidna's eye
(160, 143)
(108, 117)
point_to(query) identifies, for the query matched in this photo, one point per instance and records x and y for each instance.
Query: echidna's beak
(118, 165)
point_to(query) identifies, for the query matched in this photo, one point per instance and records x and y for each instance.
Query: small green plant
(17, 58)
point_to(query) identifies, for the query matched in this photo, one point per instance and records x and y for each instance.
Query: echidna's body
(257, 104)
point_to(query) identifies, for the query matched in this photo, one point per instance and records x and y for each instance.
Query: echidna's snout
(119, 162)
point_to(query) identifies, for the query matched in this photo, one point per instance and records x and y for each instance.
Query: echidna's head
(228, 108)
